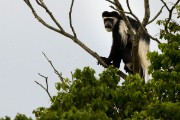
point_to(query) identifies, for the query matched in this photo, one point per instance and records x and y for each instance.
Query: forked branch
(70, 19)
(55, 70)
(170, 10)
(61, 30)
(45, 88)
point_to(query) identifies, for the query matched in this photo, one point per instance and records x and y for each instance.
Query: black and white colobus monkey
(121, 48)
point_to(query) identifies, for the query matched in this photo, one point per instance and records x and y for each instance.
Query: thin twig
(39, 18)
(47, 88)
(55, 70)
(129, 8)
(72, 76)
(145, 31)
(120, 9)
(68, 35)
(111, 2)
(157, 15)
(170, 14)
(43, 5)
(70, 19)
(165, 5)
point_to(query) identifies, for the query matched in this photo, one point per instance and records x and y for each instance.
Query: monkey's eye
(108, 20)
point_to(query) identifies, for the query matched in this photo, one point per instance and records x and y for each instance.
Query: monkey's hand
(128, 70)
(106, 60)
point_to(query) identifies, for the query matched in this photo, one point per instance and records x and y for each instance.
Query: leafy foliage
(17, 117)
(90, 98)
(87, 97)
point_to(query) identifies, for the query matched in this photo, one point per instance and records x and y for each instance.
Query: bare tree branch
(146, 13)
(165, 5)
(170, 14)
(111, 2)
(43, 5)
(70, 19)
(131, 13)
(39, 18)
(55, 70)
(47, 88)
(62, 31)
(120, 9)
(157, 15)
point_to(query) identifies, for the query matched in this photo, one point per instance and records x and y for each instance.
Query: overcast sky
(23, 39)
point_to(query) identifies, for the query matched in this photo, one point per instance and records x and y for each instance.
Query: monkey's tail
(142, 51)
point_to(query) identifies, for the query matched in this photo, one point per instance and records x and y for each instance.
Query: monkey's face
(109, 23)
(110, 19)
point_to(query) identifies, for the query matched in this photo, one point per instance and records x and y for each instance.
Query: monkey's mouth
(108, 28)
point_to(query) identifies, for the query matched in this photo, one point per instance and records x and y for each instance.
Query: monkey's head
(110, 19)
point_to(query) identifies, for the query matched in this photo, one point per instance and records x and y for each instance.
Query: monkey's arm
(111, 56)
(109, 59)
(114, 57)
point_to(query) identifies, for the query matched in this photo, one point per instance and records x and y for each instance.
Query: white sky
(23, 39)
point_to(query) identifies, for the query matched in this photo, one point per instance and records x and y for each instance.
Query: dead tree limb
(61, 31)
(156, 16)
(70, 19)
(170, 10)
(55, 70)
(45, 88)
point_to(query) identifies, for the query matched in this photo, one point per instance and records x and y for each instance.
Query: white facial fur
(114, 22)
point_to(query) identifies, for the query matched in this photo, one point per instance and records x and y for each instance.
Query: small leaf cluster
(17, 117)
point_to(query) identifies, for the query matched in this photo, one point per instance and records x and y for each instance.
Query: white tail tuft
(142, 51)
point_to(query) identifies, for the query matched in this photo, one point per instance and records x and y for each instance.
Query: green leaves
(87, 97)
(178, 11)
(166, 110)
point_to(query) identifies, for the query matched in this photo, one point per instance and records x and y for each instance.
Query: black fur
(120, 50)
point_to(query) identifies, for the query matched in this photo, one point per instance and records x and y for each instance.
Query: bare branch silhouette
(170, 13)
(63, 32)
(45, 88)
(157, 15)
(55, 70)
(70, 19)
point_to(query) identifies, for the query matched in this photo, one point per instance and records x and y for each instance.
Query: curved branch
(157, 15)
(55, 70)
(47, 88)
(111, 2)
(68, 35)
(39, 18)
(146, 13)
(120, 9)
(165, 5)
(131, 13)
(43, 5)
(70, 19)
(170, 14)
